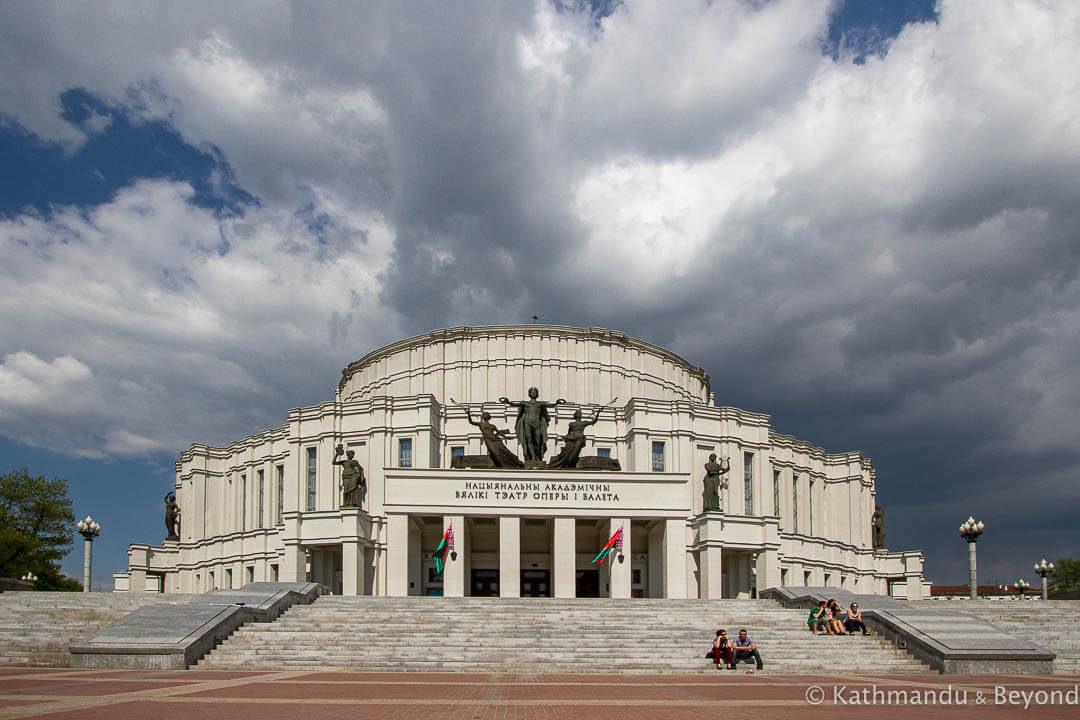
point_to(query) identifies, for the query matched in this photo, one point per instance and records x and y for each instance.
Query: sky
(859, 217)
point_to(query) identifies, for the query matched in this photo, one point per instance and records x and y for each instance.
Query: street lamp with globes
(1022, 587)
(970, 531)
(1044, 568)
(89, 529)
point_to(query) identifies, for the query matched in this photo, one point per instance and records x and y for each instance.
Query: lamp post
(1044, 568)
(970, 531)
(29, 577)
(89, 530)
(1022, 587)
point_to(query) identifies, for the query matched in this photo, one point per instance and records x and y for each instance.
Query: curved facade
(268, 507)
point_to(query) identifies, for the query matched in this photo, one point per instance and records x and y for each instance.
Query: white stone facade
(267, 507)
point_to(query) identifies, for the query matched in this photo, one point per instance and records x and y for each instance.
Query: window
(243, 503)
(457, 451)
(249, 574)
(210, 581)
(405, 452)
(228, 579)
(748, 483)
(311, 476)
(776, 493)
(795, 501)
(603, 452)
(262, 495)
(810, 506)
(280, 470)
(273, 573)
(658, 456)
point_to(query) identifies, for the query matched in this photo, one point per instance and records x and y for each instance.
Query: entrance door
(485, 583)
(535, 583)
(588, 583)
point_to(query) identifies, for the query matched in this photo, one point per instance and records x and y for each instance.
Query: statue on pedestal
(877, 527)
(532, 423)
(172, 517)
(352, 476)
(575, 441)
(714, 481)
(493, 440)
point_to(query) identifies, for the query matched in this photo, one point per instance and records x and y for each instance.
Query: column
(675, 558)
(768, 570)
(711, 573)
(137, 581)
(352, 567)
(293, 566)
(397, 561)
(656, 561)
(454, 572)
(415, 563)
(564, 557)
(620, 571)
(509, 557)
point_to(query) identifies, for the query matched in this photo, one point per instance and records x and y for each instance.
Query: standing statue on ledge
(172, 517)
(493, 441)
(575, 441)
(532, 423)
(352, 476)
(877, 527)
(714, 481)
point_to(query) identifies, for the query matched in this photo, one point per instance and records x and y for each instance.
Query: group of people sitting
(832, 618)
(726, 652)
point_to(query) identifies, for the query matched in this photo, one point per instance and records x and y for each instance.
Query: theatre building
(270, 506)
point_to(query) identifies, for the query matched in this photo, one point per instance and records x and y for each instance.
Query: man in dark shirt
(745, 648)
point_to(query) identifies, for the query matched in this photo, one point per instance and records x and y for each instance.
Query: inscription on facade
(496, 490)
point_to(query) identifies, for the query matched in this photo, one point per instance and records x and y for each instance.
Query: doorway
(587, 584)
(535, 583)
(485, 583)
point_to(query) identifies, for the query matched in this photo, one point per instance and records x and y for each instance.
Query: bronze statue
(493, 441)
(172, 517)
(877, 526)
(714, 481)
(575, 441)
(352, 477)
(532, 423)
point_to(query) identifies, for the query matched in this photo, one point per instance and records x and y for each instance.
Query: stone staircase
(543, 635)
(36, 628)
(1052, 624)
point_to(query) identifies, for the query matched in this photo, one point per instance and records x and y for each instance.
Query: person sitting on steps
(836, 614)
(722, 651)
(745, 648)
(854, 620)
(819, 618)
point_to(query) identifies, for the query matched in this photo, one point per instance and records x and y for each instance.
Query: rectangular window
(311, 478)
(795, 502)
(776, 494)
(228, 580)
(603, 452)
(280, 470)
(748, 483)
(457, 451)
(405, 452)
(273, 573)
(249, 574)
(262, 497)
(243, 503)
(658, 456)
(810, 506)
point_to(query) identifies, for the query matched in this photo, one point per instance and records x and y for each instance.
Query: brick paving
(57, 693)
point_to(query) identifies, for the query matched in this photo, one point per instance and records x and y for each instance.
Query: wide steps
(541, 635)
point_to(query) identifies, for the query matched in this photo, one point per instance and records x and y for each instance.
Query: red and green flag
(445, 545)
(614, 543)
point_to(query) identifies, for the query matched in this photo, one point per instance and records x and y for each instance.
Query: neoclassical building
(269, 506)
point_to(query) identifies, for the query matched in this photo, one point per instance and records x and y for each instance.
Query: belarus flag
(614, 542)
(445, 544)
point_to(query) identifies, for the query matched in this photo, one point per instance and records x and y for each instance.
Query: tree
(35, 528)
(1066, 575)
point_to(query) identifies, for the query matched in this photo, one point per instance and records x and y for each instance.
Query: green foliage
(1066, 575)
(35, 528)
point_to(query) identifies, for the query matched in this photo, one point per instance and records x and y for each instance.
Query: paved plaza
(315, 695)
